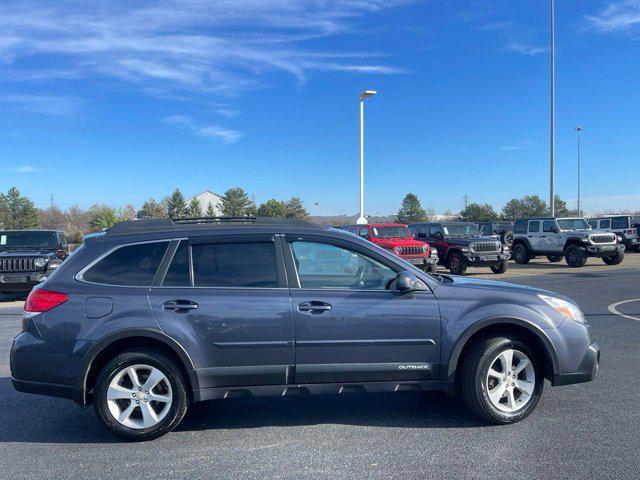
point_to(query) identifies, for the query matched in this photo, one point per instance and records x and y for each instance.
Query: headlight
(40, 262)
(397, 250)
(619, 239)
(53, 264)
(424, 249)
(567, 309)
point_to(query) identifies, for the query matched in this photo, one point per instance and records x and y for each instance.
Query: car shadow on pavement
(38, 419)
(401, 410)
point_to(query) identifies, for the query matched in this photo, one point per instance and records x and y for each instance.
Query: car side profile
(568, 238)
(154, 315)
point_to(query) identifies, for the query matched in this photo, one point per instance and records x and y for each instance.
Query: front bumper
(586, 372)
(485, 259)
(20, 282)
(603, 250)
(422, 261)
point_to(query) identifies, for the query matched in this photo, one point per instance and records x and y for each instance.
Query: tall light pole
(552, 202)
(578, 129)
(366, 94)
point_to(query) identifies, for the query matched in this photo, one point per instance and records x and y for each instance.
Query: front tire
(615, 259)
(520, 254)
(575, 257)
(501, 379)
(140, 395)
(555, 258)
(500, 268)
(457, 264)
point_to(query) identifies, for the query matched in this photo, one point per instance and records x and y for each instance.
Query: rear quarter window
(129, 265)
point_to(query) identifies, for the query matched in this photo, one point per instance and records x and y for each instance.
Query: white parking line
(613, 308)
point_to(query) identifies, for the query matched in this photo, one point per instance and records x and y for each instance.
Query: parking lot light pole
(552, 201)
(367, 93)
(578, 129)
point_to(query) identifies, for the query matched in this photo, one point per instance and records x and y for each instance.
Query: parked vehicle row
(153, 315)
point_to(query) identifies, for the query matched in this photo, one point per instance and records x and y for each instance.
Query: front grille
(411, 250)
(17, 264)
(603, 238)
(486, 247)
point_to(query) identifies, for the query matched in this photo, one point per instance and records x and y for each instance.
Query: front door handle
(314, 307)
(180, 305)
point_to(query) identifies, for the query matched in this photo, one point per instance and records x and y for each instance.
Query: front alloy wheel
(520, 254)
(510, 380)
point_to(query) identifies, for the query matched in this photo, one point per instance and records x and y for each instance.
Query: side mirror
(556, 229)
(408, 282)
(437, 235)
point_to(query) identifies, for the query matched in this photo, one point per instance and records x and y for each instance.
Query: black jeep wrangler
(27, 257)
(501, 228)
(460, 244)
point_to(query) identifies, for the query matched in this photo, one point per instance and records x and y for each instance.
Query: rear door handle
(180, 305)
(314, 307)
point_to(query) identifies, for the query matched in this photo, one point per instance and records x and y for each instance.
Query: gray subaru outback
(154, 315)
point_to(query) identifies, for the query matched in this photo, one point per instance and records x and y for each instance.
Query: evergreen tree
(152, 209)
(17, 211)
(295, 209)
(272, 208)
(411, 210)
(211, 212)
(475, 212)
(176, 205)
(101, 216)
(236, 203)
(525, 207)
(194, 208)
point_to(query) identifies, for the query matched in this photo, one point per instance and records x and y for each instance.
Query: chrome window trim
(80, 275)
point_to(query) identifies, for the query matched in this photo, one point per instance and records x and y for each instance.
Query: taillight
(42, 300)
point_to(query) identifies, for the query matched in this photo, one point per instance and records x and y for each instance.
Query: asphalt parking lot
(579, 431)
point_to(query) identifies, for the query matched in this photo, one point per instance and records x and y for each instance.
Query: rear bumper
(49, 389)
(586, 372)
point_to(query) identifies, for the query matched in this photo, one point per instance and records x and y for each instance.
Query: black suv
(27, 257)
(460, 244)
(501, 228)
(153, 315)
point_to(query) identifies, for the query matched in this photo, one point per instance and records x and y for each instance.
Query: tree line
(18, 211)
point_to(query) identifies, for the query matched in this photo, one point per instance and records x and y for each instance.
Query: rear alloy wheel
(575, 257)
(520, 254)
(501, 379)
(140, 395)
(500, 268)
(555, 258)
(457, 264)
(615, 259)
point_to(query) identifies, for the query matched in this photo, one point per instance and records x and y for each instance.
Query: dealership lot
(579, 431)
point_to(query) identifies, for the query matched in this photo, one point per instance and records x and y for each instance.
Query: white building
(205, 198)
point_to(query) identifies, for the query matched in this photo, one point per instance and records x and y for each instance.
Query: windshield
(390, 232)
(461, 230)
(27, 239)
(573, 224)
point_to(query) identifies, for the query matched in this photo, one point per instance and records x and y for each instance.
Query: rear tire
(140, 395)
(500, 268)
(457, 264)
(575, 257)
(615, 259)
(520, 254)
(555, 258)
(507, 238)
(496, 395)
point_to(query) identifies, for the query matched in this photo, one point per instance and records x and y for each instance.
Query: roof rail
(166, 224)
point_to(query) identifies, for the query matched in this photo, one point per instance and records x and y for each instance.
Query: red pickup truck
(397, 238)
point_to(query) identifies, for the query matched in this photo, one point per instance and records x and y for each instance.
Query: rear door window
(235, 265)
(548, 226)
(534, 226)
(129, 265)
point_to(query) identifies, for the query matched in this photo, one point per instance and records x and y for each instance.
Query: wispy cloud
(43, 104)
(25, 169)
(225, 135)
(619, 16)
(516, 146)
(222, 47)
(525, 49)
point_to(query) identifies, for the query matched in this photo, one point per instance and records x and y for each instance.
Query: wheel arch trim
(463, 341)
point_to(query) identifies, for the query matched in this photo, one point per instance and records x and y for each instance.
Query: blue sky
(115, 102)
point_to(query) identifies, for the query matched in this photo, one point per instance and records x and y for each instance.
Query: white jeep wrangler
(568, 238)
(627, 226)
